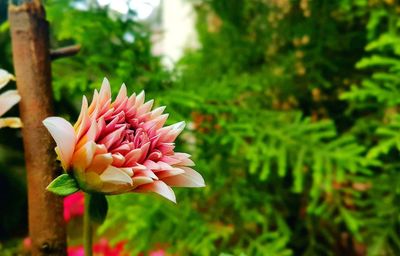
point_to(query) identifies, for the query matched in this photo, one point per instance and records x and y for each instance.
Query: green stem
(87, 228)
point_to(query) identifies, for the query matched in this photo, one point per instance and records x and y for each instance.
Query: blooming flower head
(7, 100)
(121, 146)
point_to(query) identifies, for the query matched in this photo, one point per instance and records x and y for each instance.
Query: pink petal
(100, 162)
(146, 173)
(7, 100)
(160, 188)
(170, 160)
(139, 167)
(141, 180)
(166, 148)
(156, 123)
(105, 92)
(111, 138)
(118, 160)
(127, 170)
(116, 176)
(169, 173)
(121, 95)
(133, 156)
(151, 165)
(84, 110)
(139, 100)
(157, 112)
(155, 155)
(145, 108)
(169, 133)
(94, 104)
(145, 150)
(190, 178)
(64, 135)
(183, 159)
(164, 166)
(131, 101)
(123, 149)
(84, 156)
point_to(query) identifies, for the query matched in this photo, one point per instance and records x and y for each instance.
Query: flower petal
(116, 176)
(12, 122)
(100, 162)
(190, 178)
(64, 135)
(157, 112)
(145, 108)
(105, 92)
(139, 100)
(160, 188)
(83, 157)
(7, 100)
(162, 175)
(141, 180)
(5, 77)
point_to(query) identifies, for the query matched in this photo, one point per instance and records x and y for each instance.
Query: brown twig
(64, 52)
(31, 56)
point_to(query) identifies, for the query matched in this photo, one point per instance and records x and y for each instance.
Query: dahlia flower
(121, 146)
(7, 100)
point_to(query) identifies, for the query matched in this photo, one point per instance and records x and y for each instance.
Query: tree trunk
(31, 56)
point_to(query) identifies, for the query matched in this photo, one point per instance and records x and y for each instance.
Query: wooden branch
(29, 34)
(64, 52)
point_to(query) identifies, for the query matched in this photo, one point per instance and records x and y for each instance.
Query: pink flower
(76, 250)
(159, 252)
(7, 100)
(74, 205)
(122, 146)
(101, 248)
(27, 244)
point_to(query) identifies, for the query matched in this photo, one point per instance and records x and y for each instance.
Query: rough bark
(31, 55)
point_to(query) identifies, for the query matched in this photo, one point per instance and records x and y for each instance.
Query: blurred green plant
(292, 169)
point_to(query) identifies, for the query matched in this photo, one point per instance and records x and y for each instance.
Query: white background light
(143, 8)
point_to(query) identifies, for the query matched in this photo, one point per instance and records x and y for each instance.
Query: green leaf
(98, 208)
(63, 185)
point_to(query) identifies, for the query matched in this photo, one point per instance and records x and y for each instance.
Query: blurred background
(293, 120)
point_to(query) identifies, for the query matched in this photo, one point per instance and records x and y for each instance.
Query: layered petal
(160, 188)
(115, 176)
(5, 77)
(64, 135)
(190, 178)
(7, 100)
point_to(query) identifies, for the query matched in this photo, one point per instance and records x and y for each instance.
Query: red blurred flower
(73, 206)
(101, 248)
(76, 250)
(159, 252)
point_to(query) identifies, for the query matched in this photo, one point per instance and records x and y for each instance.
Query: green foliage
(292, 112)
(111, 46)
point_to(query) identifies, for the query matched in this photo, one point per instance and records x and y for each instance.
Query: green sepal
(63, 185)
(98, 207)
